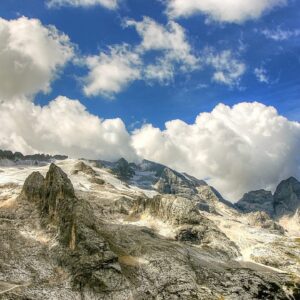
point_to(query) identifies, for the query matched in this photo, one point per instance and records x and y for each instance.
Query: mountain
(287, 197)
(260, 200)
(284, 202)
(82, 229)
(10, 158)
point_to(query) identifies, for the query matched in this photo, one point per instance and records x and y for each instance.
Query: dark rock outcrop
(260, 200)
(123, 169)
(19, 158)
(172, 182)
(287, 197)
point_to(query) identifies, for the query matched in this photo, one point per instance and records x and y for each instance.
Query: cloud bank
(235, 11)
(62, 126)
(31, 56)
(246, 147)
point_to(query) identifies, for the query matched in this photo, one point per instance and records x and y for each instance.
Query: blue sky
(208, 87)
(93, 29)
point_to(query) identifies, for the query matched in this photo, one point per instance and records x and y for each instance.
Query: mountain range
(93, 229)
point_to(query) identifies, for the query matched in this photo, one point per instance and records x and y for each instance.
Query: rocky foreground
(101, 230)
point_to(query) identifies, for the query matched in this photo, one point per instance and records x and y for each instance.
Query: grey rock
(287, 197)
(171, 182)
(262, 220)
(82, 250)
(84, 168)
(123, 169)
(260, 200)
(192, 226)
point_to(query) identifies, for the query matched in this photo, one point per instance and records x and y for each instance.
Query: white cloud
(261, 75)
(63, 126)
(246, 147)
(111, 72)
(110, 4)
(31, 56)
(280, 34)
(236, 11)
(228, 69)
(170, 39)
(162, 71)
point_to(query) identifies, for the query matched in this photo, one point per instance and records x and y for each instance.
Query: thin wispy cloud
(279, 34)
(109, 4)
(261, 75)
(235, 11)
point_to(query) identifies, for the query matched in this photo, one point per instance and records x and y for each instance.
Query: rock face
(84, 168)
(191, 225)
(262, 220)
(123, 169)
(285, 201)
(260, 200)
(287, 197)
(82, 250)
(171, 182)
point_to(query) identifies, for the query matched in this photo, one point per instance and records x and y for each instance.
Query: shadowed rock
(287, 197)
(123, 169)
(171, 182)
(191, 225)
(260, 200)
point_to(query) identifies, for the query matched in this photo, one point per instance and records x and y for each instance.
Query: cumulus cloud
(110, 4)
(171, 41)
(110, 72)
(170, 38)
(228, 69)
(63, 126)
(246, 147)
(31, 56)
(261, 75)
(236, 11)
(280, 34)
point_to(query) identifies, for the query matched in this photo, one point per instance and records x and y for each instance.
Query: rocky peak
(81, 248)
(172, 182)
(84, 168)
(33, 187)
(259, 200)
(287, 197)
(123, 169)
